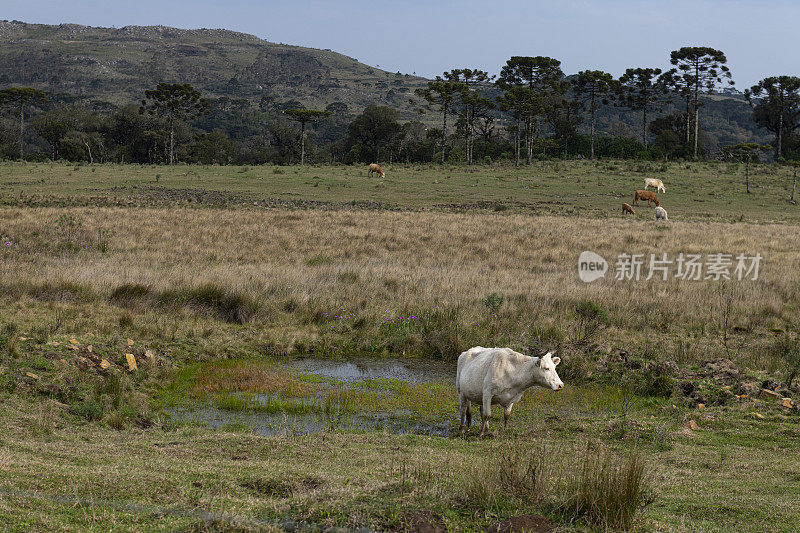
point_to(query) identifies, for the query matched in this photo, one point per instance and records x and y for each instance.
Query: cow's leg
(464, 408)
(469, 415)
(486, 413)
(506, 415)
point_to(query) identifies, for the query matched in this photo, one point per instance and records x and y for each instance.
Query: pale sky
(429, 37)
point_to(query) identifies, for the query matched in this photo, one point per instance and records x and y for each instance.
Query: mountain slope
(114, 67)
(118, 65)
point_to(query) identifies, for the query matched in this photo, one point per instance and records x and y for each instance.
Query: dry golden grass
(323, 278)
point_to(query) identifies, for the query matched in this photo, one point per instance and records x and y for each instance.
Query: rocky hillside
(116, 66)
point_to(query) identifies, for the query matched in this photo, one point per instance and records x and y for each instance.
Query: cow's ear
(556, 360)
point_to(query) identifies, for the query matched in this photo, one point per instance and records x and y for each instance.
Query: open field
(215, 296)
(708, 191)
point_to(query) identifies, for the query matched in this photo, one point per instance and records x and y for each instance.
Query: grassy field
(709, 191)
(213, 295)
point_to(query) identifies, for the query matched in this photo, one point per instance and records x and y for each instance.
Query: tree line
(530, 110)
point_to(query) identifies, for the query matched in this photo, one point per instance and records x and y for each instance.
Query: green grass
(223, 295)
(707, 191)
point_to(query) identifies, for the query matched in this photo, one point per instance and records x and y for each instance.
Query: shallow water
(360, 369)
(352, 373)
(270, 424)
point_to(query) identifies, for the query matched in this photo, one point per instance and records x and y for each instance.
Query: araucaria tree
(443, 93)
(593, 88)
(173, 102)
(21, 97)
(682, 83)
(304, 116)
(640, 89)
(706, 68)
(474, 105)
(776, 107)
(542, 78)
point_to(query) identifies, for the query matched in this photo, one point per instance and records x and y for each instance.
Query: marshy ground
(228, 285)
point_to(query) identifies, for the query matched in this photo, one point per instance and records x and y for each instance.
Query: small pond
(353, 374)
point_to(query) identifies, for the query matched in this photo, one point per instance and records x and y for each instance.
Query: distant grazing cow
(650, 196)
(489, 376)
(375, 167)
(652, 182)
(626, 208)
(661, 214)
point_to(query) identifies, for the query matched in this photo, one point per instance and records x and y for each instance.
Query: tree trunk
(688, 121)
(696, 128)
(171, 142)
(778, 143)
(89, 150)
(517, 141)
(528, 140)
(444, 129)
(591, 135)
(302, 143)
(644, 126)
(21, 128)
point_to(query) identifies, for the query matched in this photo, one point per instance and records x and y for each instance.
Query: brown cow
(650, 196)
(626, 208)
(375, 167)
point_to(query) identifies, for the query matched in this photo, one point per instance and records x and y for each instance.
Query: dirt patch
(280, 488)
(517, 524)
(190, 196)
(421, 522)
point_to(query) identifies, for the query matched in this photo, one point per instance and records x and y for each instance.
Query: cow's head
(548, 377)
(656, 202)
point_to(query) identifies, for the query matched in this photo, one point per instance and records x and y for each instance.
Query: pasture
(217, 278)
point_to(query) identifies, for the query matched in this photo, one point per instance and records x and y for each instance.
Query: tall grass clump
(225, 304)
(608, 492)
(130, 294)
(517, 476)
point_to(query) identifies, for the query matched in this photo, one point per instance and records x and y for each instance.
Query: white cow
(661, 214)
(500, 376)
(652, 182)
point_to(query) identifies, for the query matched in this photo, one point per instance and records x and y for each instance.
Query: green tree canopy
(304, 116)
(593, 89)
(705, 69)
(442, 92)
(640, 89)
(21, 97)
(541, 77)
(174, 102)
(375, 128)
(776, 107)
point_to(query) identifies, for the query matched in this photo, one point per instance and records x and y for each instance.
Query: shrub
(787, 349)
(590, 319)
(129, 294)
(8, 340)
(89, 409)
(494, 302)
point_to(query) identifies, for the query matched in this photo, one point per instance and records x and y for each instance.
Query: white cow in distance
(653, 182)
(661, 214)
(489, 376)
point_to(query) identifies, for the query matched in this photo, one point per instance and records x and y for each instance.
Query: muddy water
(351, 373)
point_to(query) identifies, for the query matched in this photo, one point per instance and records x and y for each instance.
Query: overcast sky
(429, 36)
